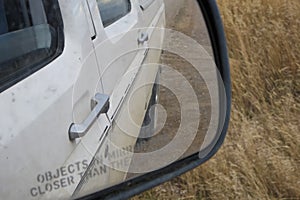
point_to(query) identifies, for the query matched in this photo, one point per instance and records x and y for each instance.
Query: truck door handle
(101, 105)
(143, 37)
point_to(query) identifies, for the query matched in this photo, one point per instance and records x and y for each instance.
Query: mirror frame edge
(147, 181)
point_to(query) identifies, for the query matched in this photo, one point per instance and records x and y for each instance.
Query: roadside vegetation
(260, 158)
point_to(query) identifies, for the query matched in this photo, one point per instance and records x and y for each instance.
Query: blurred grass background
(260, 158)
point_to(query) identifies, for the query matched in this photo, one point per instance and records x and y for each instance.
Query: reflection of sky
(112, 3)
(110, 10)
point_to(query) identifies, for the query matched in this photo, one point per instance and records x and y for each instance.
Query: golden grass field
(260, 158)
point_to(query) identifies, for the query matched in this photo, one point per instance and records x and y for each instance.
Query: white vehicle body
(38, 160)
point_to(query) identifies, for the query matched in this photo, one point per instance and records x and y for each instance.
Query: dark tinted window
(29, 35)
(112, 10)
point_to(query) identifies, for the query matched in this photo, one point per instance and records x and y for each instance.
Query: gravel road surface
(184, 17)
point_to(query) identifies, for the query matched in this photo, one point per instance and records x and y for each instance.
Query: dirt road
(185, 17)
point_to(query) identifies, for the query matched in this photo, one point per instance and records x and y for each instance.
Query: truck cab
(74, 83)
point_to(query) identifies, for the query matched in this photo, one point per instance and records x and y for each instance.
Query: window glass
(29, 31)
(112, 10)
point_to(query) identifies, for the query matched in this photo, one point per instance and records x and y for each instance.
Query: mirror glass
(129, 94)
(172, 109)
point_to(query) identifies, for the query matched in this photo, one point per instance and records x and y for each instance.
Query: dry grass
(260, 158)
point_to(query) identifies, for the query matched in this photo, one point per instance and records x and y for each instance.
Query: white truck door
(119, 36)
(38, 105)
(121, 45)
(118, 26)
(153, 13)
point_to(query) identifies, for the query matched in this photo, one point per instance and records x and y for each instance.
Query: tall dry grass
(260, 158)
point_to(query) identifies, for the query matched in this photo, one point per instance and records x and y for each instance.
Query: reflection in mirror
(171, 109)
(128, 87)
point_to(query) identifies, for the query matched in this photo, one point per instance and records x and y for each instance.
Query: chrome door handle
(143, 37)
(101, 102)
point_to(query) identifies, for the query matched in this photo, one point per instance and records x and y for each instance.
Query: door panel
(120, 57)
(154, 22)
(38, 159)
(116, 49)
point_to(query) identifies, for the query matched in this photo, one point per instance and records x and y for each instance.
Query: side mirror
(188, 110)
(132, 93)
